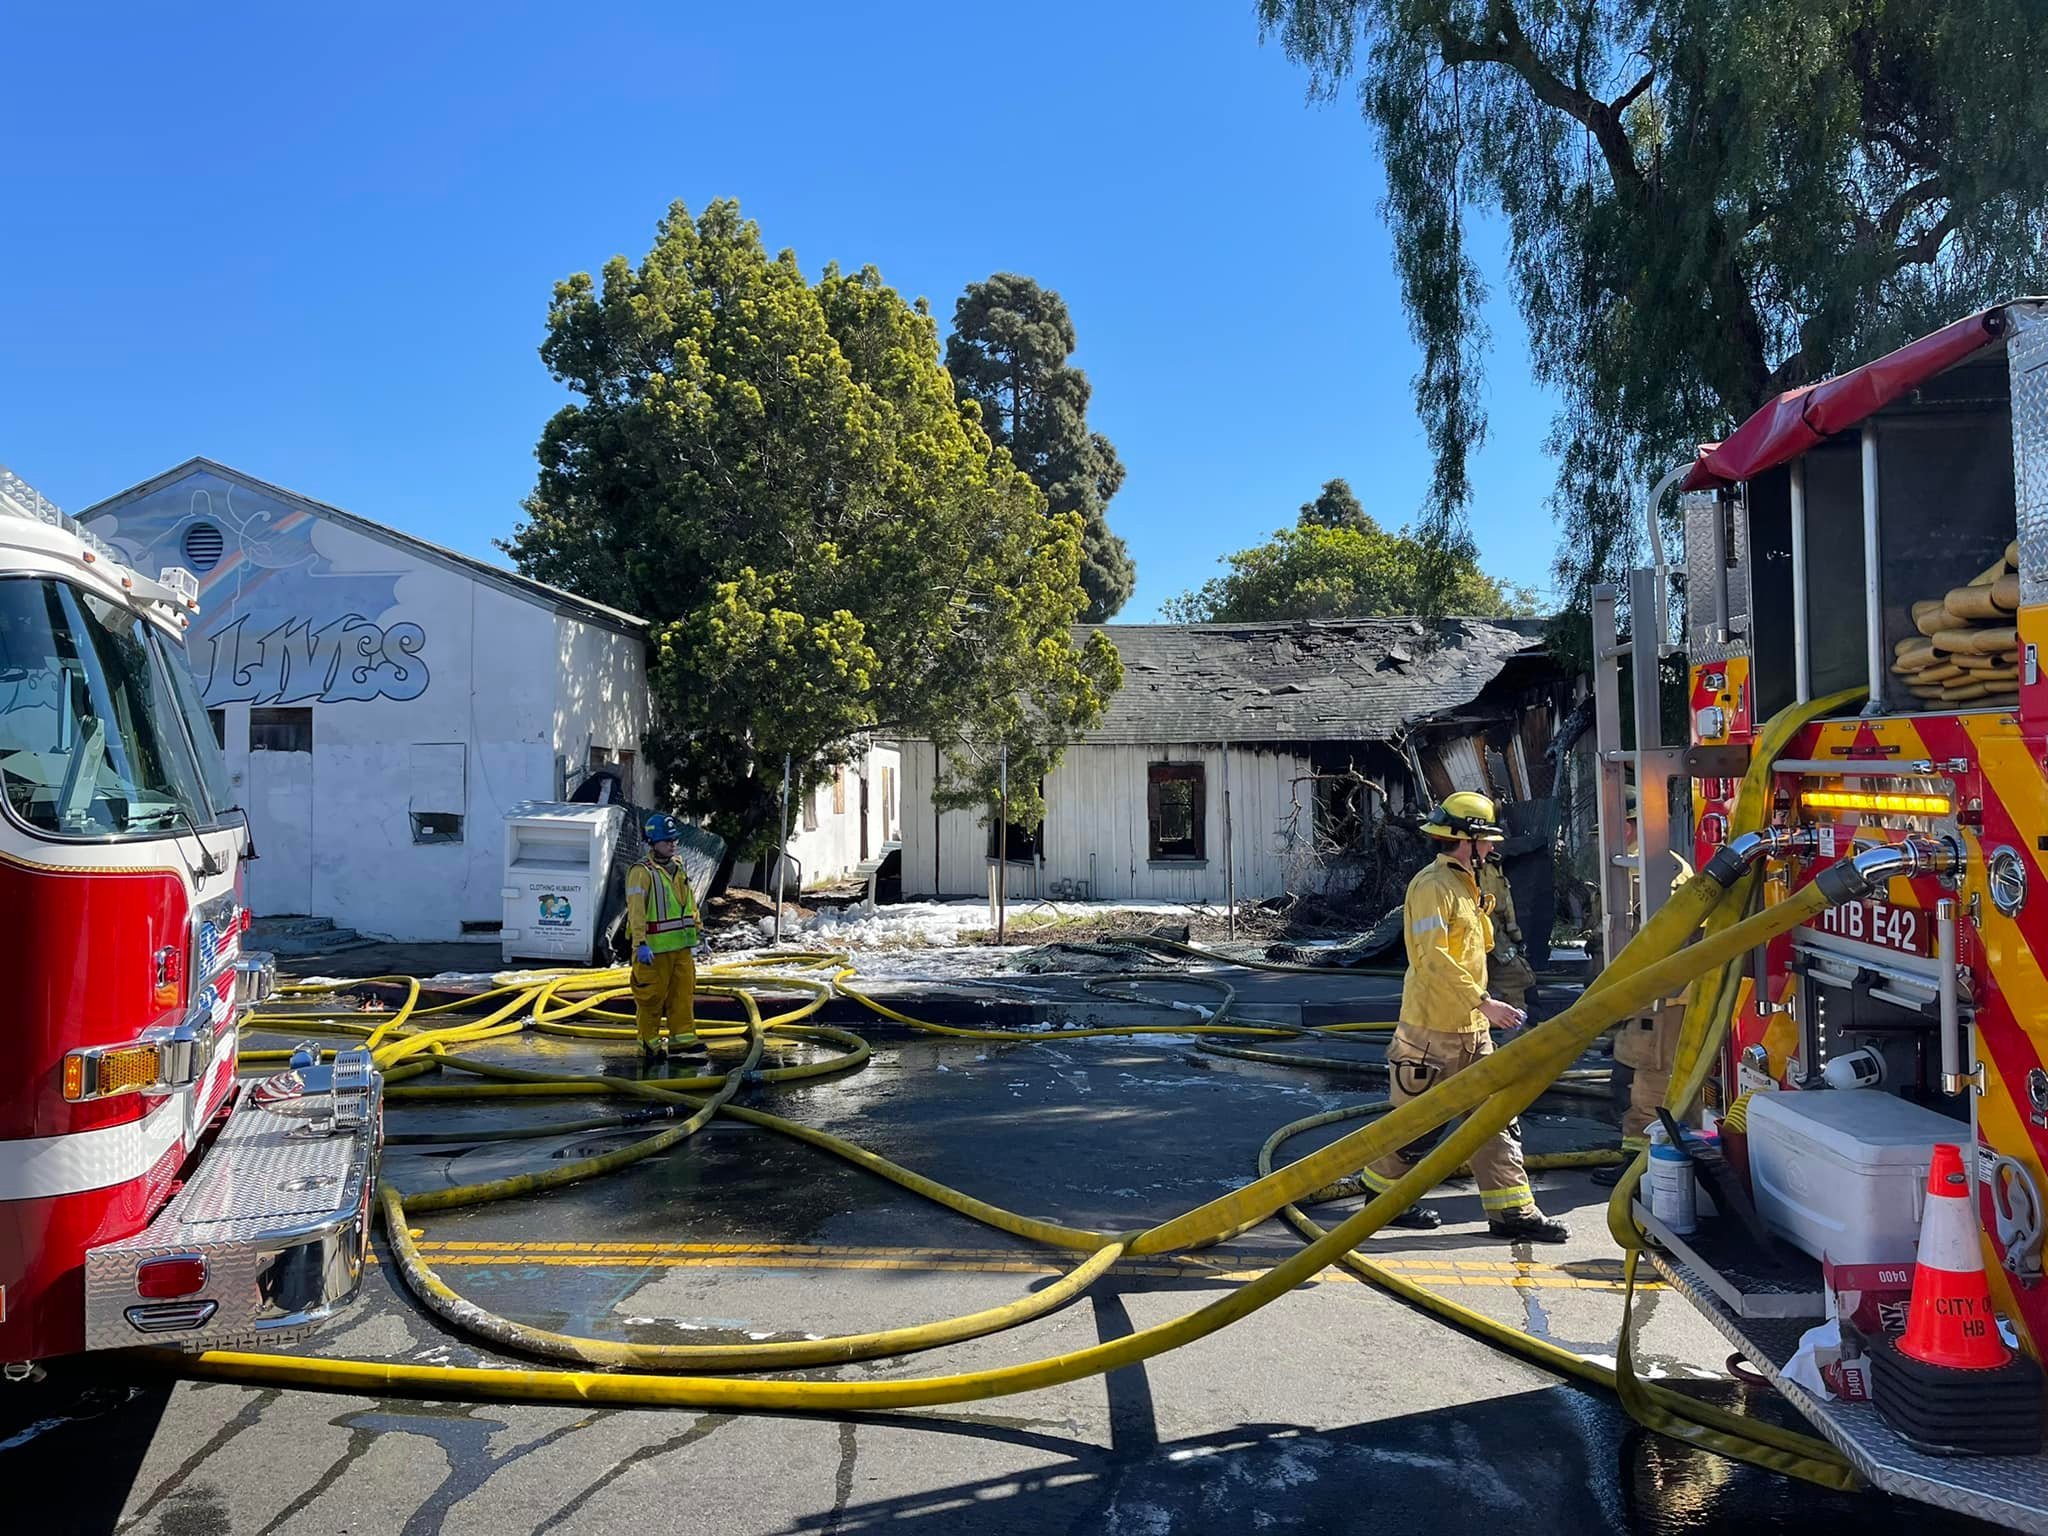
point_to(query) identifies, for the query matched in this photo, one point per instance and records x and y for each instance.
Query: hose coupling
(1874, 868)
(1736, 857)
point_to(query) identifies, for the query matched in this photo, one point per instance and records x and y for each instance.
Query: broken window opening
(1176, 806)
(436, 827)
(1025, 845)
(1344, 809)
(280, 730)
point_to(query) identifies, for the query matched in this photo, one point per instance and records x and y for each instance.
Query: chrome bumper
(279, 1213)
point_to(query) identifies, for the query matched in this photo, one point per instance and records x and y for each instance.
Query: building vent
(202, 546)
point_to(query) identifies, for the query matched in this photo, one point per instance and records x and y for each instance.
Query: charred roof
(1332, 680)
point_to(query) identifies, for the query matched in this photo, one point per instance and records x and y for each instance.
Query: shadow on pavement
(1538, 1461)
(71, 1446)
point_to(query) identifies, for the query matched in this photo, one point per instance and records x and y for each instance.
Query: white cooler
(1843, 1174)
(557, 859)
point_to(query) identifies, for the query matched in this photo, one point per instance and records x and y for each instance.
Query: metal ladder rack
(1648, 765)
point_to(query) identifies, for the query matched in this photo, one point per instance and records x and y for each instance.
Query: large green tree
(1706, 202)
(1009, 354)
(777, 475)
(1337, 563)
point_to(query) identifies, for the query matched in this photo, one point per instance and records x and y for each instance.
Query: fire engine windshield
(90, 738)
(213, 767)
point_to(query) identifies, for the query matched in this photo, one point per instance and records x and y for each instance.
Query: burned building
(1251, 760)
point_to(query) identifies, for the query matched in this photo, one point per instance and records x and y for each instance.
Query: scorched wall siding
(1097, 828)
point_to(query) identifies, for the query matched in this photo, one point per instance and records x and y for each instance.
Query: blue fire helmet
(661, 828)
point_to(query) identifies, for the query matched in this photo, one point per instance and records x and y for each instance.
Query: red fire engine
(146, 1197)
(1886, 531)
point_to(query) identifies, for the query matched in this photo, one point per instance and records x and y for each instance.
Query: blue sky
(317, 242)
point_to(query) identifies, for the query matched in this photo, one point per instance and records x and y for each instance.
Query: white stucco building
(842, 825)
(382, 701)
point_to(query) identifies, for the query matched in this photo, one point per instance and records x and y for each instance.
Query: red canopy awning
(1800, 418)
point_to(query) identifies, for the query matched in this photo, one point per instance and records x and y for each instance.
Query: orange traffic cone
(1950, 1387)
(1951, 1323)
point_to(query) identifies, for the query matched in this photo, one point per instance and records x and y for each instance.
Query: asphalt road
(1335, 1408)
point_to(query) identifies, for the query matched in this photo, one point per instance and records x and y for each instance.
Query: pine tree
(1008, 353)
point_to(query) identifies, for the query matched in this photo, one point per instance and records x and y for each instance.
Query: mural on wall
(278, 623)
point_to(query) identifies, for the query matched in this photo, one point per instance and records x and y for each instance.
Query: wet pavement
(1333, 1409)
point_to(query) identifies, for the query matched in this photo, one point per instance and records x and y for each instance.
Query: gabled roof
(555, 599)
(1337, 680)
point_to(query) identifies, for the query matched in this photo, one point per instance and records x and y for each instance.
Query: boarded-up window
(839, 792)
(1176, 808)
(811, 808)
(888, 803)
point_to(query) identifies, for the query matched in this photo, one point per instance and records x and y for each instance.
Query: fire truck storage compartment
(1842, 1174)
(1945, 498)
(1773, 675)
(1853, 997)
(1837, 637)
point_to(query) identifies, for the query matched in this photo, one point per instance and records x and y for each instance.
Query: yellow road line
(1209, 1258)
(1424, 1271)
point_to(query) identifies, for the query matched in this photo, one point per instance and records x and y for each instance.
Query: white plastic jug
(1674, 1198)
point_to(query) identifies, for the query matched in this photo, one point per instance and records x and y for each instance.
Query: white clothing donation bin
(558, 857)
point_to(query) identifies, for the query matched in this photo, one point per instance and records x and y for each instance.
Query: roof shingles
(1357, 679)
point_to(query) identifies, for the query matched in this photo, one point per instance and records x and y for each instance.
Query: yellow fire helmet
(1465, 814)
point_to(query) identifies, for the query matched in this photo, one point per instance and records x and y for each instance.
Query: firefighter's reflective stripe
(42, 1167)
(1447, 937)
(1417, 1060)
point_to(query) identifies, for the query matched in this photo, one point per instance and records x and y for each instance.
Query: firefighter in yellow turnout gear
(1446, 1016)
(661, 919)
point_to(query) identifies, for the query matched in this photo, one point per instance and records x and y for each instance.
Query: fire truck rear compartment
(1946, 510)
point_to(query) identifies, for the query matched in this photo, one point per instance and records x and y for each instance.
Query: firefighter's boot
(1417, 1218)
(1530, 1226)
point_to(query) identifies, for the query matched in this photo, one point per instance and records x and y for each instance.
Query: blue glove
(644, 954)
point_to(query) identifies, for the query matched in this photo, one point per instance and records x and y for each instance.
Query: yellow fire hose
(1655, 965)
(1516, 1087)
